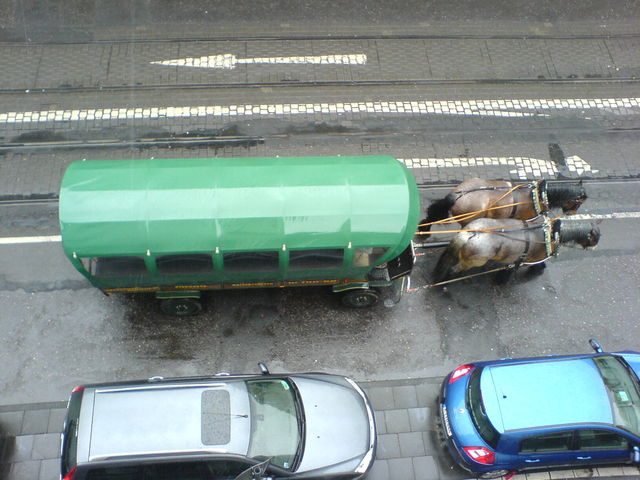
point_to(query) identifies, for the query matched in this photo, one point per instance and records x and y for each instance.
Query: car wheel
(494, 474)
(180, 307)
(360, 298)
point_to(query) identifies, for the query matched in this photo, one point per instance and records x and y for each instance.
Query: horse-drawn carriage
(178, 227)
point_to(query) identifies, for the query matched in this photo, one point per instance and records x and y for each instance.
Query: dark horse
(511, 242)
(501, 199)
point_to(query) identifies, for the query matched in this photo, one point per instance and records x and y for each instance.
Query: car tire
(494, 473)
(180, 307)
(360, 298)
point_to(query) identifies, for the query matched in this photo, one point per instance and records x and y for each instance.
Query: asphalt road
(59, 331)
(514, 90)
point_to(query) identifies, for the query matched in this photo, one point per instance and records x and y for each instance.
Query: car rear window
(476, 408)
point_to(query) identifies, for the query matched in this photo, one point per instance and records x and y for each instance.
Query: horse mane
(561, 193)
(572, 232)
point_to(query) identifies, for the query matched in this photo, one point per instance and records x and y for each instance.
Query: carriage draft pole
(430, 245)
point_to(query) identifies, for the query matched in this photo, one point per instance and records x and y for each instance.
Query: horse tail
(446, 262)
(438, 210)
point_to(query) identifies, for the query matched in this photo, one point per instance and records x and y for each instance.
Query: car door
(552, 449)
(600, 446)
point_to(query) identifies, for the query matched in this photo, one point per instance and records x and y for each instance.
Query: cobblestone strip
(517, 108)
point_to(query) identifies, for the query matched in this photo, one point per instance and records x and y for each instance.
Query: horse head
(592, 237)
(585, 235)
(568, 196)
(573, 204)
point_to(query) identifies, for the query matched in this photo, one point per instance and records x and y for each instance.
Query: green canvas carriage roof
(167, 206)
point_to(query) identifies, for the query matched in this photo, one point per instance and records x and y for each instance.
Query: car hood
(337, 425)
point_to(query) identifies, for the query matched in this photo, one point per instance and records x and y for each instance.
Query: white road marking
(603, 216)
(482, 108)
(36, 239)
(229, 61)
(586, 216)
(526, 167)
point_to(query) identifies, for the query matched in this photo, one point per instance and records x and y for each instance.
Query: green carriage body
(185, 225)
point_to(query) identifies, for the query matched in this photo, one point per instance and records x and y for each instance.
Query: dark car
(219, 427)
(511, 415)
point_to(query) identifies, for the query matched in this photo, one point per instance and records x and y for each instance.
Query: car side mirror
(635, 454)
(263, 368)
(255, 472)
(595, 344)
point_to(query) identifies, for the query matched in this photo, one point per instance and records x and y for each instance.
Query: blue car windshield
(475, 405)
(622, 389)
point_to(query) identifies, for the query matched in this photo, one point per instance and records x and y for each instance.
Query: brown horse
(511, 242)
(502, 199)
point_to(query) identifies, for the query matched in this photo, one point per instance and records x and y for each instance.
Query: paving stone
(419, 419)
(448, 469)
(379, 471)
(432, 444)
(5, 468)
(405, 396)
(583, 472)
(381, 398)
(28, 470)
(397, 421)
(411, 444)
(401, 469)
(11, 422)
(425, 468)
(50, 469)
(388, 446)
(614, 470)
(20, 449)
(427, 393)
(56, 420)
(46, 446)
(539, 476)
(381, 426)
(561, 474)
(630, 470)
(35, 421)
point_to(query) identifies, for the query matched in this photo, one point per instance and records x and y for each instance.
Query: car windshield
(623, 392)
(277, 422)
(479, 417)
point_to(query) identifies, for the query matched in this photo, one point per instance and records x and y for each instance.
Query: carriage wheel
(180, 307)
(360, 298)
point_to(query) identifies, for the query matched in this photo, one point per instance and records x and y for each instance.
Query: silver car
(307, 425)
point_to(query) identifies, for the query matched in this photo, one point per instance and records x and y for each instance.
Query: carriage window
(114, 266)
(367, 257)
(177, 264)
(250, 262)
(315, 259)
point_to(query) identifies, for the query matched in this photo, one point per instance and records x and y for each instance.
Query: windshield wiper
(297, 458)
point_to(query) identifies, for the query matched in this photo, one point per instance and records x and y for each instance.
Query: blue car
(509, 415)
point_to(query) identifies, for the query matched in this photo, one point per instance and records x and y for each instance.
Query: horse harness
(538, 196)
(551, 242)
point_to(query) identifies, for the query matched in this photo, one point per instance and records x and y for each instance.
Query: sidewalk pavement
(408, 448)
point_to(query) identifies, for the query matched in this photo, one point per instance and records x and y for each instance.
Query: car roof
(543, 393)
(159, 418)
